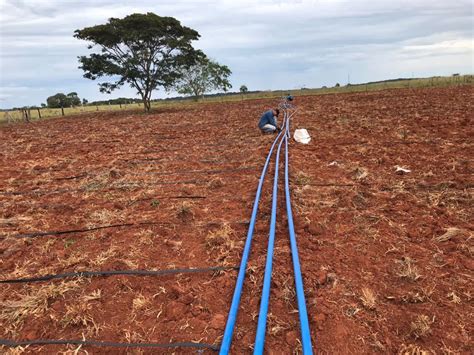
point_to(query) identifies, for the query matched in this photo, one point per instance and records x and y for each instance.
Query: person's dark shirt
(267, 118)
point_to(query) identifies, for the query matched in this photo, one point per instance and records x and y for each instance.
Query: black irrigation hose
(42, 234)
(218, 171)
(204, 182)
(36, 192)
(46, 192)
(71, 177)
(119, 272)
(13, 343)
(158, 161)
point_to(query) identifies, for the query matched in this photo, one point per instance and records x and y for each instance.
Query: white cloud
(266, 43)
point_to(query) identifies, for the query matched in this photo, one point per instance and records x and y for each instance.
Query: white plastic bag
(302, 136)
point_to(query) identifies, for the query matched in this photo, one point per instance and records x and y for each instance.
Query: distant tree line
(119, 101)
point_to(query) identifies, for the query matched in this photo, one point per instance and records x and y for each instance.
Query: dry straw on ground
(32, 303)
(407, 269)
(421, 326)
(368, 298)
(450, 233)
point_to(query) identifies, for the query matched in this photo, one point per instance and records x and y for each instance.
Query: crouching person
(268, 121)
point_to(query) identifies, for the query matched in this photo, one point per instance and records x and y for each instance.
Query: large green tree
(62, 100)
(204, 76)
(73, 99)
(146, 51)
(56, 101)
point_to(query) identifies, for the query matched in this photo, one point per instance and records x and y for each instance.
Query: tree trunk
(146, 102)
(146, 105)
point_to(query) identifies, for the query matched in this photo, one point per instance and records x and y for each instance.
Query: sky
(268, 44)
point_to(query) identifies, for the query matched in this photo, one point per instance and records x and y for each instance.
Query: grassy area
(374, 86)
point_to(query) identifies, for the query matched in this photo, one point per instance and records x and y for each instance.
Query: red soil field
(387, 258)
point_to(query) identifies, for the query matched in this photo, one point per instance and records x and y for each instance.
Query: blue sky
(268, 44)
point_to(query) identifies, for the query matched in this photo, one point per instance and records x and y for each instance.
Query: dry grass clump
(93, 296)
(103, 180)
(377, 344)
(276, 326)
(46, 246)
(221, 241)
(467, 247)
(360, 173)
(184, 211)
(454, 298)
(450, 233)
(103, 256)
(412, 350)
(413, 297)
(140, 302)
(403, 134)
(302, 179)
(77, 314)
(145, 237)
(98, 182)
(176, 245)
(72, 260)
(368, 298)
(21, 271)
(408, 270)
(13, 351)
(421, 326)
(421, 295)
(35, 302)
(216, 183)
(217, 239)
(288, 292)
(103, 217)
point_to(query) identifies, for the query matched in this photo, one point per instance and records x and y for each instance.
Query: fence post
(39, 113)
(24, 113)
(62, 110)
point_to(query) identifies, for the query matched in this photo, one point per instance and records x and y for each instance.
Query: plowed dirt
(386, 256)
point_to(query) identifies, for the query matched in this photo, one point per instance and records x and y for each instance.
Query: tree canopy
(243, 89)
(62, 100)
(204, 76)
(146, 51)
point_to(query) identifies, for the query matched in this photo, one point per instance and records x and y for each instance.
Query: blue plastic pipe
(262, 317)
(232, 317)
(304, 324)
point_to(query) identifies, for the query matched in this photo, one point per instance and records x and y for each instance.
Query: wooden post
(97, 108)
(24, 113)
(62, 110)
(120, 105)
(39, 113)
